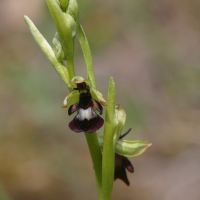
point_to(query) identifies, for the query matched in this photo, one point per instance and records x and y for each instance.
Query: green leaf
(87, 55)
(48, 51)
(133, 148)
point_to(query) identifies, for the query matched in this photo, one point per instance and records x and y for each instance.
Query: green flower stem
(108, 165)
(64, 26)
(87, 55)
(48, 51)
(96, 155)
(92, 139)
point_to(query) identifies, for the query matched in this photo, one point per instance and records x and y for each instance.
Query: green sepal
(48, 52)
(98, 96)
(71, 99)
(128, 148)
(80, 79)
(133, 148)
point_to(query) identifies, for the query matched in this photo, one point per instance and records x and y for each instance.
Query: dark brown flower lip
(89, 126)
(121, 164)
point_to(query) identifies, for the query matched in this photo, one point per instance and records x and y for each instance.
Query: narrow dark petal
(73, 108)
(125, 133)
(97, 106)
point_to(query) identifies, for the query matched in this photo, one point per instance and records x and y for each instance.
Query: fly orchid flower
(124, 148)
(87, 120)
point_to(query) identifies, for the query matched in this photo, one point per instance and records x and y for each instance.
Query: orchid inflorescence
(109, 151)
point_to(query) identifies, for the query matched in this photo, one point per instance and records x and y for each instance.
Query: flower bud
(64, 4)
(72, 9)
(58, 49)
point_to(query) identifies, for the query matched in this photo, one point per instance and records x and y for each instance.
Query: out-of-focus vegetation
(152, 50)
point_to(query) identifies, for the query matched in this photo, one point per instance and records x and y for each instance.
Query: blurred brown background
(152, 49)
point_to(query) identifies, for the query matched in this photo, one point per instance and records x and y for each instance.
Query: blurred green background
(152, 49)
